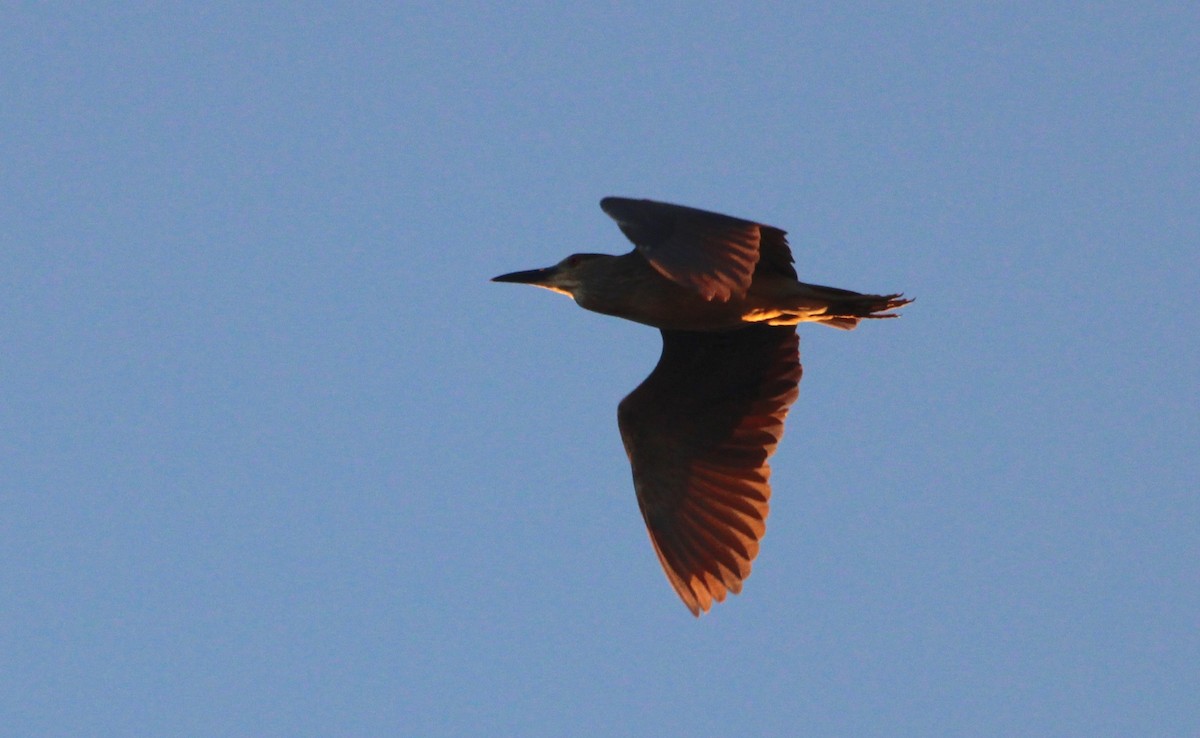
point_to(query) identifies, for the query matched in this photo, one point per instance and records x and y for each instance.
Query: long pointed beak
(529, 276)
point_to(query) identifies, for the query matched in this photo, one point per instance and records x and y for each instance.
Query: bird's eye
(572, 260)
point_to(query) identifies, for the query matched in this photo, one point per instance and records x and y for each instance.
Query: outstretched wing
(715, 255)
(698, 432)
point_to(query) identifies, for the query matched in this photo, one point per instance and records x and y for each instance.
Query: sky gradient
(276, 459)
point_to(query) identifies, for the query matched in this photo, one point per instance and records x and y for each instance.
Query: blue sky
(276, 459)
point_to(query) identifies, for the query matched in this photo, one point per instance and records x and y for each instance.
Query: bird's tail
(788, 302)
(846, 308)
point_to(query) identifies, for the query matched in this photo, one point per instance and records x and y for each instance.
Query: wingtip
(609, 200)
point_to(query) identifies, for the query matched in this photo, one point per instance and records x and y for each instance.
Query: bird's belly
(663, 304)
(677, 310)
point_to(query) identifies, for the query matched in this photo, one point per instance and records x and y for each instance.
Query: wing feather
(698, 432)
(715, 255)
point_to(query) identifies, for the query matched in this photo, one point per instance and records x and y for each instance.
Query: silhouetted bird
(699, 429)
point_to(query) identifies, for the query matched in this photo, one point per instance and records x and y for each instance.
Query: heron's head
(567, 276)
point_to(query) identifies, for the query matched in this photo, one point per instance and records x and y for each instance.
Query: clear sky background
(276, 459)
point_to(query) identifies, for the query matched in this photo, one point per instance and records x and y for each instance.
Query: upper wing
(714, 254)
(698, 432)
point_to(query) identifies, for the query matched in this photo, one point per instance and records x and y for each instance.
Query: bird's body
(699, 430)
(627, 286)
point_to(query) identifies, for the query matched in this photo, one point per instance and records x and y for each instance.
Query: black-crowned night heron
(699, 429)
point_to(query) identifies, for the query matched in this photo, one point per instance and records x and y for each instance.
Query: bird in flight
(699, 430)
